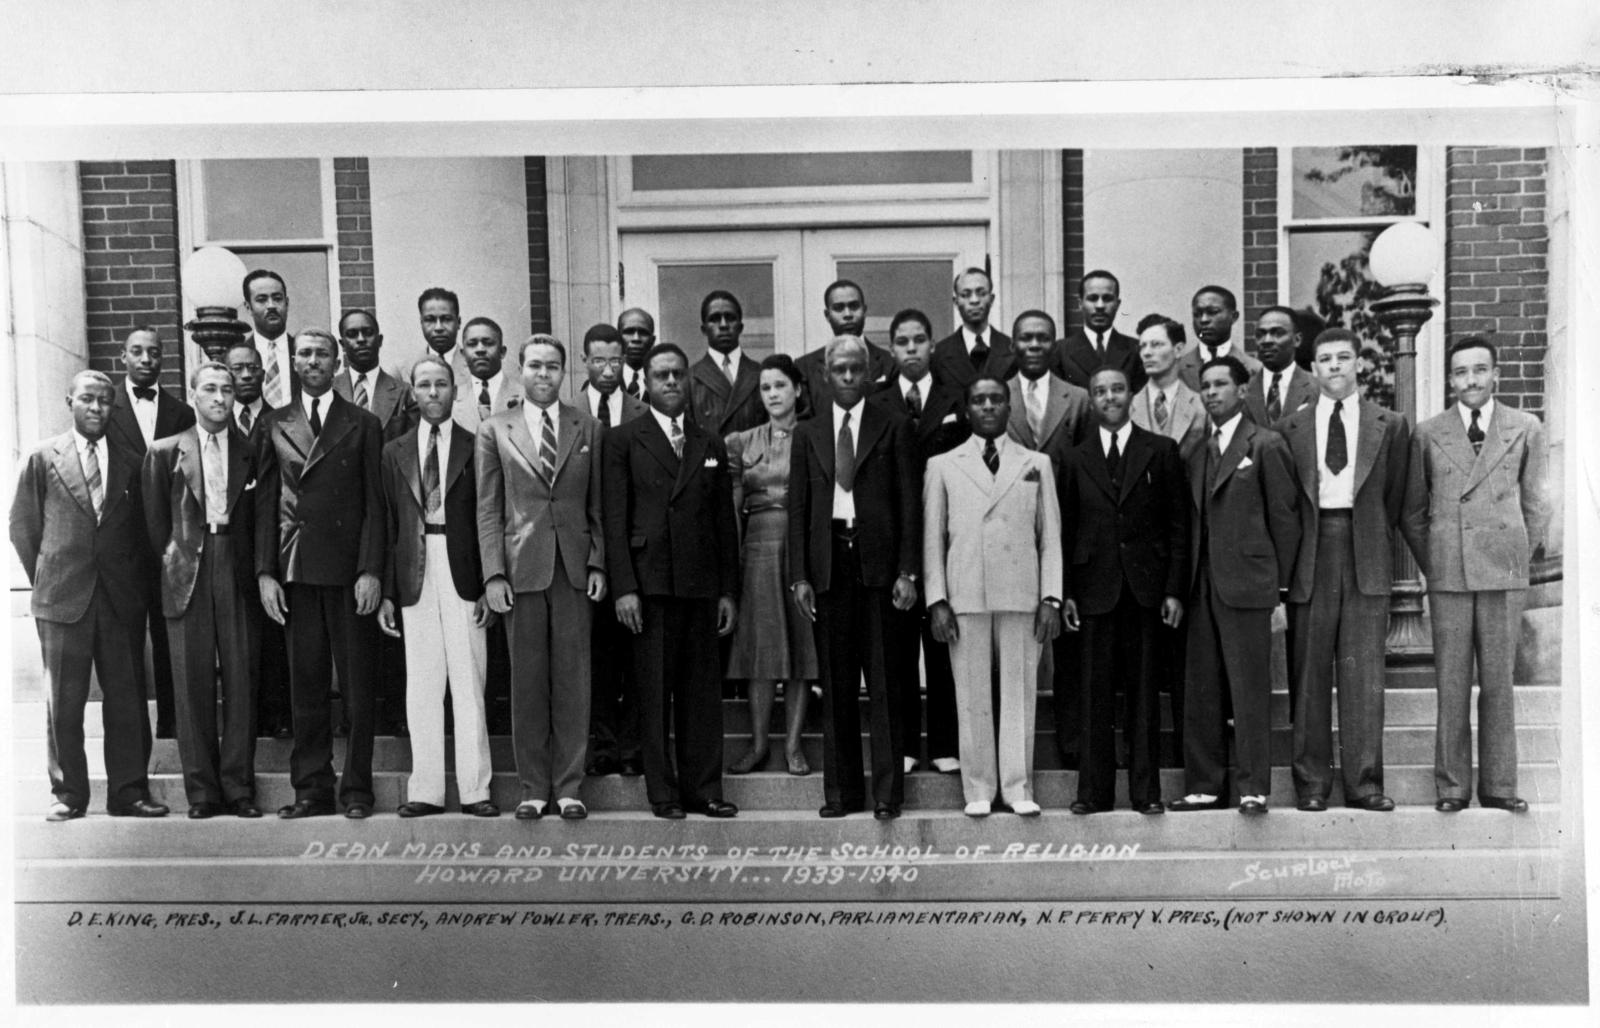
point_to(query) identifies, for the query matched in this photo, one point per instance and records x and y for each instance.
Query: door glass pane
(683, 286)
(891, 286)
(1329, 275)
(1354, 181)
(654, 172)
(277, 198)
(305, 278)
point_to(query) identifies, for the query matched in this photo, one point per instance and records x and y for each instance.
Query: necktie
(1100, 345)
(1033, 406)
(727, 368)
(980, 352)
(245, 420)
(1338, 452)
(677, 438)
(91, 474)
(216, 478)
(361, 396)
(316, 418)
(1161, 411)
(605, 410)
(844, 457)
(914, 399)
(1114, 462)
(484, 407)
(547, 449)
(1211, 354)
(430, 474)
(1213, 458)
(1475, 434)
(274, 379)
(633, 386)
(991, 457)
(1274, 401)
(144, 393)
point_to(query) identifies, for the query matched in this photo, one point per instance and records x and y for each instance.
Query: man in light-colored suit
(543, 548)
(1350, 459)
(1048, 414)
(1282, 386)
(1477, 509)
(992, 556)
(364, 383)
(489, 387)
(1215, 311)
(200, 515)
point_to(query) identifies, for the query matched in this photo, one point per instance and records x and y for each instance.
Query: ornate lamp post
(1402, 260)
(212, 281)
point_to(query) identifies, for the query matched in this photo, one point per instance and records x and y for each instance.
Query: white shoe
(977, 808)
(1025, 808)
(911, 764)
(946, 765)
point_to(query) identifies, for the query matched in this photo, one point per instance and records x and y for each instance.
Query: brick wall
(538, 246)
(1260, 232)
(1497, 283)
(353, 211)
(1071, 236)
(130, 242)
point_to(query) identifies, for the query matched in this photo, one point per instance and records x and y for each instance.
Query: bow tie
(144, 392)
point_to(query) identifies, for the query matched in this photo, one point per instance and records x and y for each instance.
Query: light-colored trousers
(442, 644)
(1482, 626)
(972, 657)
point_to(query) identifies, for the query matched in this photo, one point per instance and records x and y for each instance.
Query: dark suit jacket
(670, 529)
(1297, 390)
(952, 365)
(1383, 459)
(172, 417)
(173, 485)
(819, 391)
(63, 549)
(1252, 525)
(319, 499)
(888, 498)
(391, 401)
(404, 507)
(722, 407)
(1075, 359)
(1138, 534)
(255, 426)
(943, 423)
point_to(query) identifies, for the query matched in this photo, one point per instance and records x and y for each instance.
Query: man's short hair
(839, 344)
(319, 333)
(966, 394)
(262, 273)
(352, 312)
(910, 314)
(1222, 291)
(1025, 315)
(1472, 343)
(431, 358)
(666, 348)
(1336, 334)
(843, 283)
(542, 339)
(1109, 369)
(720, 294)
(1175, 333)
(244, 345)
(601, 333)
(1236, 369)
(955, 283)
(490, 322)
(1288, 312)
(194, 376)
(1099, 273)
(439, 293)
(148, 329)
(97, 377)
(638, 310)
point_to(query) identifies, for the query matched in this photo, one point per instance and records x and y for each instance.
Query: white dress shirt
(844, 501)
(734, 356)
(491, 384)
(256, 410)
(1282, 377)
(533, 416)
(102, 453)
(924, 387)
(1122, 435)
(970, 338)
(1205, 353)
(1485, 413)
(279, 348)
(216, 506)
(1337, 492)
(666, 424)
(424, 431)
(630, 375)
(144, 412)
(363, 379)
(1228, 428)
(322, 407)
(612, 403)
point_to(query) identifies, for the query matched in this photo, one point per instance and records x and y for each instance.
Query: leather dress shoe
(138, 808)
(632, 768)
(358, 811)
(305, 808)
(714, 808)
(62, 812)
(244, 808)
(1376, 802)
(1083, 807)
(837, 810)
(1450, 805)
(416, 808)
(482, 808)
(1252, 806)
(202, 810)
(1153, 807)
(886, 811)
(1514, 804)
(1186, 804)
(1312, 804)
(573, 810)
(669, 811)
(603, 766)
(528, 810)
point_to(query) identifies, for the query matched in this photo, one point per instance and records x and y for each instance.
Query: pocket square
(949, 418)
(1245, 463)
(583, 449)
(250, 484)
(711, 462)
(1031, 475)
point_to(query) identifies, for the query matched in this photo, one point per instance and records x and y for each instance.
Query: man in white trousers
(434, 576)
(992, 557)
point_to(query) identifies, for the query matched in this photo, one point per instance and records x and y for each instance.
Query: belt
(844, 527)
(215, 529)
(433, 529)
(1336, 512)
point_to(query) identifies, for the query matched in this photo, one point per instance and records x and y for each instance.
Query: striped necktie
(547, 449)
(361, 396)
(91, 474)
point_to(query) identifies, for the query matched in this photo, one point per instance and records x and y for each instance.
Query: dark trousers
(271, 671)
(215, 631)
(549, 636)
(1066, 702)
(1170, 669)
(680, 685)
(389, 684)
(910, 634)
(1229, 650)
(613, 708)
(102, 640)
(325, 636)
(850, 631)
(497, 679)
(1339, 635)
(158, 684)
(1119, 652)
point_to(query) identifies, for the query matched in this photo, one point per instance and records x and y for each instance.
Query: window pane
(1329, 275)
(683, 286)
(892, 286)
(305, 278)
(263, 199)
(1354, 181)
(779, 170)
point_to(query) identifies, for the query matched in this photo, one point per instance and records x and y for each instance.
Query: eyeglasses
(602, 362)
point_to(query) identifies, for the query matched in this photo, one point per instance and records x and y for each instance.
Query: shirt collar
(82, 442)
(322, 408)
(1325, 404)
(1228, 427)
(1484, 414)
(924, 384)
(1122, 435)
(1223, 349)
(424, 430)
(493, 384)
(666, 422)
(854, 412)
(970, 338)
(736, 355)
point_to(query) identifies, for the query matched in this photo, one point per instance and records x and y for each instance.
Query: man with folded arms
(433, 574)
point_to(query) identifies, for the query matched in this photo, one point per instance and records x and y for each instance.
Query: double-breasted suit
(90, 596)
(722, 407)
(209, 599)
(544, 535)
(320, 526)
(1076, 359)
(992, 551)
(270, 674)
(952, 362)
(1127, 550)
(1474, 520)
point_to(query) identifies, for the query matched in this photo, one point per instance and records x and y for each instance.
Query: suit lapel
(194, 475)
(1095, 462)
(385, 396)
(238, 466)
(873, 425)
(1496, 444)
(522, 439)
(1010, 472)
(70, 468)
(708, 372)
(567, 437)
(695, 442)
(122, 465)
(1457, 446)
(336, 424)
(1303, 444)
(1185, 410)
(655, 441)
(1055, 408)
(1134, 459)
(969, 458)
(1018, 421)
(460, 456)
(1238, 446)
(296, 429)
(1369, 437)
(747, 379)
(411, 464)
